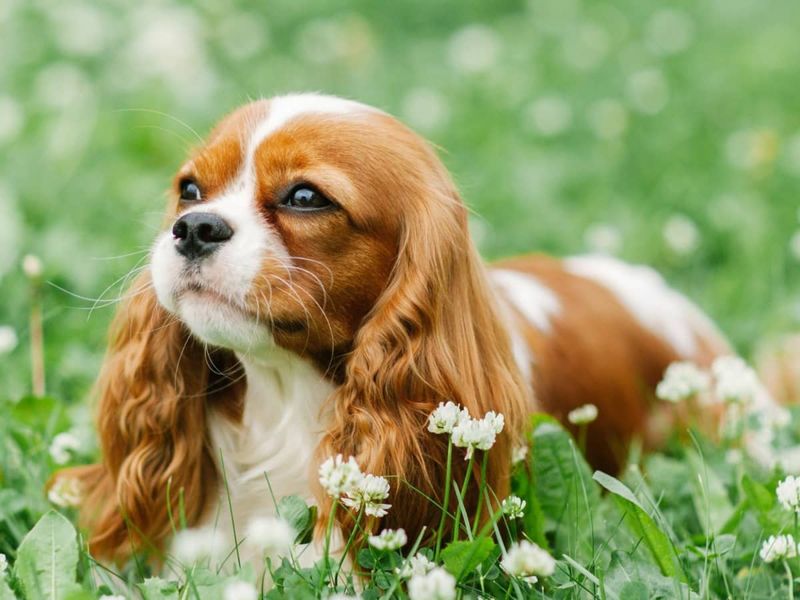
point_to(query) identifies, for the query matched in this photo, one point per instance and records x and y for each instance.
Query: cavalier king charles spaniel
(315, 292)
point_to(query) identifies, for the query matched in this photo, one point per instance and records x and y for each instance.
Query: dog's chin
(219, 323)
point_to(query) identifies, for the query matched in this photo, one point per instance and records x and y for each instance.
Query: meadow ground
(664, 134)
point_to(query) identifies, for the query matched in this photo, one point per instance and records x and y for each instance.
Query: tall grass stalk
(446, 501)
(481, 488)
(467, 477)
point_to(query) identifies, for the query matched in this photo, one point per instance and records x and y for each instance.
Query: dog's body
(319, 294)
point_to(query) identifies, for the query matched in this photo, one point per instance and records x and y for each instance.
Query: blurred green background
(663, 132)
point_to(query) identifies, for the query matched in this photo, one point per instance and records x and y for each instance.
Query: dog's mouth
(198, 291)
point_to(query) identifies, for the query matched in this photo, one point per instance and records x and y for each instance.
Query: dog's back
(593, 329)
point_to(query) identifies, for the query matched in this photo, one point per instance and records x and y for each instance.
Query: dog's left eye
(305, 198)
(190, 191)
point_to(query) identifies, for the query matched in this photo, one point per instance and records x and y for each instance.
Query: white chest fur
(273, 446)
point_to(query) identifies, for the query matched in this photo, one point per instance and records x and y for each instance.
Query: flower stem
(348, 544)
(446, 501)
(327, 547)
(791, 579)
(37, 338)
(582, 430)
(464, 485)
(480, 493)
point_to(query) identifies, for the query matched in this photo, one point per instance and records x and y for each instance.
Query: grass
(668, 135)
(687, 522)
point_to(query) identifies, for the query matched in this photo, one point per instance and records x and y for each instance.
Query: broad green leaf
(47, 559)
(634, 590)
(564, 490)
(710, 497)
(39, 412)
(155, 588)
(642, 524)
(297, 513)
(5, 591)
(209, 585)
(627, 578)
(757, 495)
(462, 558)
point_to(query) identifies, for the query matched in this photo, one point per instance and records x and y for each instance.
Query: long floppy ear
(153, 393)
(434, 335)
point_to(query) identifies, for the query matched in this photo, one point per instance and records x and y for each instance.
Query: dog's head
(286, 225)
(328, 229)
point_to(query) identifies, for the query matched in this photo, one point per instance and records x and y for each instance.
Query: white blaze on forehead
(536, 302)
(659, 308)
(283, 109)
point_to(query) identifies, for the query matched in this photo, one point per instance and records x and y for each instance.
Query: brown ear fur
(152, 391)
(433, 336)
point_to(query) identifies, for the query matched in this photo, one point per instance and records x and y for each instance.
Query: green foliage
(642, 524)
(622, 119)
(462, 558)
(47, 559)
(651, 534)
(300, 516)
(83, 169)
(562, 484)
(155, 588)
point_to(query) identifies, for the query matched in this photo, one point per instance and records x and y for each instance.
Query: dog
(315, 291)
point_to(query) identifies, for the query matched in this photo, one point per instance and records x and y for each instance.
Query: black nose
(198, 234)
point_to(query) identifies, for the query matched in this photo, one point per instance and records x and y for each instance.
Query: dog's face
(285, 225)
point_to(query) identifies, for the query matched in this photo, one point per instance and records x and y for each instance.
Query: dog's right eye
(190, 191)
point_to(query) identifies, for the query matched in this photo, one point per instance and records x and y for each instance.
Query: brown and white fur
(312, 333)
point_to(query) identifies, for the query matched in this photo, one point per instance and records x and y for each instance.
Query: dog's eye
(305, 198)
(190, 191)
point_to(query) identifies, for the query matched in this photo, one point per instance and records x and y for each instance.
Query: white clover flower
(419, 564)
(473, 434)
(368, 495)
(681, 235)
(338, 476)
(794, 245)
(647, 90)
(271, 535)
(3, 565)
(66, 492)
(32, 266)
(8, 339)
(525, 559)
(513, 507)
(734, 456)
(608, 119)
(63, 446)
(682, 380)
(778, 547)
(445, 417)
(519, 453)
(736, 381)
(583, 415)
(193, 545)
(112, 597)
(340, 596)
(602, 238)
(240, 590)
(437, 584)
(388, 539)
(495, 420)
(548, 116)
(669, 31)
(788, 492)
(478, 434)
(425, 108)
(473, 49)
